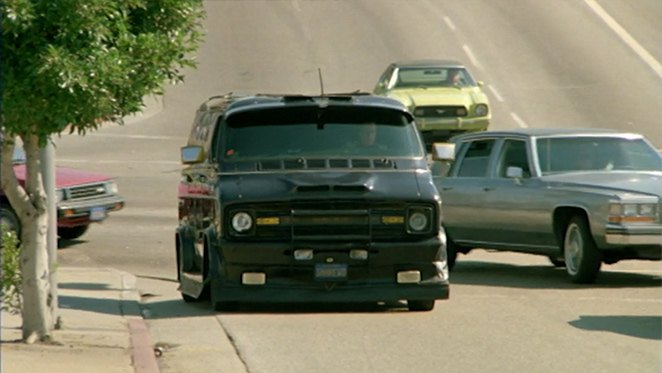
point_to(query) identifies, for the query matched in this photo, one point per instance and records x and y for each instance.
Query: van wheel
(71, 233)
(420, 305)
(582, 258)
(451, 253)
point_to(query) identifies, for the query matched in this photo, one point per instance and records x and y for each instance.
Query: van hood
(408, 185)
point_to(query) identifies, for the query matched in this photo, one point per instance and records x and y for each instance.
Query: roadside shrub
(10, 275)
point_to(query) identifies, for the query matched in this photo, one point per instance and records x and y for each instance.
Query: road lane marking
(496, 93)
(107, 161)
(472, 58)
(520, 122)
(626, 37)
(449, 23)
(138, 137)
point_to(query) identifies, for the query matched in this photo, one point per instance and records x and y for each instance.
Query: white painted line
(626, 37)
(139, 137)
(495, 93)
(110, 161)
(471, 56)
(296, 5)
(449, 23)
(519, 120)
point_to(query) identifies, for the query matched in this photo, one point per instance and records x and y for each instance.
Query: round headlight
(242, 222)
(418, 221)
(481, 110)
(59, 195)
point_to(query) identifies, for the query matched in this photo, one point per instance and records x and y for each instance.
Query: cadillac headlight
(242, 222)
(632, 213)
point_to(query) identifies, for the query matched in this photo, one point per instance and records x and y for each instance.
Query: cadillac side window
(513, 154)
(476, 159)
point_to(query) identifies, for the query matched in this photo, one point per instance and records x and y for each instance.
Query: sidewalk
(102, 328)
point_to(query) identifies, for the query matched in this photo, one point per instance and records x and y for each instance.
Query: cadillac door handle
(487, 189)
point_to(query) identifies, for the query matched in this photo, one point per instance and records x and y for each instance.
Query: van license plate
(330, 271)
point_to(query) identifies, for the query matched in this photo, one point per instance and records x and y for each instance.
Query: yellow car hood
(439, 96)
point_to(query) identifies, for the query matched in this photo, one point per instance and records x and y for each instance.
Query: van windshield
(314, 132)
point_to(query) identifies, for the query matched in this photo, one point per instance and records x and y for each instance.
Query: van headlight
(419, 220)
(242, 222)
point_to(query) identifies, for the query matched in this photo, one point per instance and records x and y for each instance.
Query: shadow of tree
(646, 327)
(542, 277)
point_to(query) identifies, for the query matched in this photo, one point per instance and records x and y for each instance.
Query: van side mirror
(192, 154)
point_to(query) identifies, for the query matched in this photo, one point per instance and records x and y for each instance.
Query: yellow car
(443, 96)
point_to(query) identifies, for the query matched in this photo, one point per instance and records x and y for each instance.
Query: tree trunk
(29, 202)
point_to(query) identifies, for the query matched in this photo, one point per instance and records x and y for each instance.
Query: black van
(295, 198)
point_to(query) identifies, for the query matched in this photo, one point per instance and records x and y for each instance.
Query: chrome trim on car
(621, 239)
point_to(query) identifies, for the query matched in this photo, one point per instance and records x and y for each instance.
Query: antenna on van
(319, 72)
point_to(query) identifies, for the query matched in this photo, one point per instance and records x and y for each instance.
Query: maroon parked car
(83, 198)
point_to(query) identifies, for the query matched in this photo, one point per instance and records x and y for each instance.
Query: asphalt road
(545, 63)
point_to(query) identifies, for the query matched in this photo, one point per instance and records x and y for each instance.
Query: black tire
(420, 305)
(9, 220)
(189, 299)
(451, 253)
(556, 261)
(70, 233)
(582, 258)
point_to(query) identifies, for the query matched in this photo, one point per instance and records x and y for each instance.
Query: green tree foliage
(72, 65)
(10, 277)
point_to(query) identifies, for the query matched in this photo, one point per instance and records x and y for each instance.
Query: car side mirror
(192, 154)
(443, 151)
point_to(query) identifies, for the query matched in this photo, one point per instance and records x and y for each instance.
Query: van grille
(329, 221)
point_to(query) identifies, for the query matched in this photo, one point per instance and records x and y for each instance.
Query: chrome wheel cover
(573, 249)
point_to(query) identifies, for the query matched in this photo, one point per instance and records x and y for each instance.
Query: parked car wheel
(420, 305)
(9, 220)
(582, 258)
(71, 233)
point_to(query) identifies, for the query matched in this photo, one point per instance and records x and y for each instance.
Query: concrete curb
(142, 347)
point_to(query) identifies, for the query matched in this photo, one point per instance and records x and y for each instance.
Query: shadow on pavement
(175, 308)
(646, 327)
(542, 277)
(89, 304)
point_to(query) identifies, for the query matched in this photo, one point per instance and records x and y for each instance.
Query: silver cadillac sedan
(581, 197)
